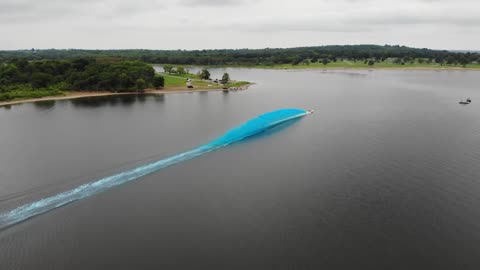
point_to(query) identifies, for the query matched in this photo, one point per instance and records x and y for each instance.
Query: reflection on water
(94, 101)
(124, 99)
(159, 97)
(141, 98)
(45, 104)
(345, 73)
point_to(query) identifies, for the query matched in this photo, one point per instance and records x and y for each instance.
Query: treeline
(76, 74)
(259, 56)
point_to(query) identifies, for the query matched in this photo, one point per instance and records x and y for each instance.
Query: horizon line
(213, 49)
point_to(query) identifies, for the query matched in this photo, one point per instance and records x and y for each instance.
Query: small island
(22, 80)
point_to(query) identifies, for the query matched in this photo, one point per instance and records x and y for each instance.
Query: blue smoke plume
(254, 126)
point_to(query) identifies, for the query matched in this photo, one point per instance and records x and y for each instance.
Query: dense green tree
(10, 74)
(181, 70)
(168, 68)
(204, 74)
(41, 79)
(225, 78)
(297, 60)
(158, 81)
(451, 60)
(397, 60)
(439, 59)
(140, 84)
(80, 64)
(77, 74)
(240, 56)
(464, 61)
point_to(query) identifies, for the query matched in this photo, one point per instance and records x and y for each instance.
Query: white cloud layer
(199, 24)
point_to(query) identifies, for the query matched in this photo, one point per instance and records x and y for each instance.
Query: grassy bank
(179, 81)
(237, 84)
(26, 91)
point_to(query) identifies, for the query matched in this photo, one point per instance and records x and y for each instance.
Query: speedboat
(310, 111)
(467, 101)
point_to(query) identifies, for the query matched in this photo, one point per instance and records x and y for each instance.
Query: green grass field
(237, 84)
(174, 81)
(177, 81)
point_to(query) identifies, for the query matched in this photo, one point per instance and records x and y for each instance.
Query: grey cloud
(29, 11)
(9, 7)
(212, 3)
(418, 18)
(285, 25)
(175, 21)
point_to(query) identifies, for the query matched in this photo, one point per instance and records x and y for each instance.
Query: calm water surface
(384, 175)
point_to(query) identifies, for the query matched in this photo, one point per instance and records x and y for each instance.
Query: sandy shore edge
(376, 68)
(82, 94)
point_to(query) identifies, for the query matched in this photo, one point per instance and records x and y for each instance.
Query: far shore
(327, 67)
(83, 94)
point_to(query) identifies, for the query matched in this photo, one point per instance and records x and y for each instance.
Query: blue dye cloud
(254, 126)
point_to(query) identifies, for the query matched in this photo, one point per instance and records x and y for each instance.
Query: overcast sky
(209, 24)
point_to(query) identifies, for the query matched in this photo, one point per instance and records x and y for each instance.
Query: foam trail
(254, 126)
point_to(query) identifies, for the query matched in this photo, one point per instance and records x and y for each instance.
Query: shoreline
(382, 68)
(84, 94)
(444, 68)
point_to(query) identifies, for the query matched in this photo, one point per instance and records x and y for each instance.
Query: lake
(384, 175)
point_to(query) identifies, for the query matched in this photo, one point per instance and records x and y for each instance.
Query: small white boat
(310, 111)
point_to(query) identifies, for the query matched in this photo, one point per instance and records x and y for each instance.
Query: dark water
(384, 175)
